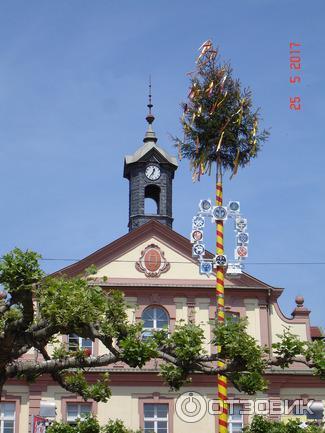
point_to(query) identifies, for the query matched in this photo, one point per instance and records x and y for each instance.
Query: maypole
(219, 127)
(220, 295)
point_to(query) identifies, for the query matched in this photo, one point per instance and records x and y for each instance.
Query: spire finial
(150, 135)
(150, 117)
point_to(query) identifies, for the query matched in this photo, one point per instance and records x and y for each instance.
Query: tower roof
(145, 148)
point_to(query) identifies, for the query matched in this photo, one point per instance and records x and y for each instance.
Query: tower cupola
(150, 172)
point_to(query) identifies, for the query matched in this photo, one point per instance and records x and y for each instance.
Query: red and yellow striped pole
(220, 294)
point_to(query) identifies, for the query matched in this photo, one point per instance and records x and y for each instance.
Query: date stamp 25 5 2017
(295, 73)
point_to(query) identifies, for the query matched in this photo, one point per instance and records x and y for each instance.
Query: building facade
(153, 266)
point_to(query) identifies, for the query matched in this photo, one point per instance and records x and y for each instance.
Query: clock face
(152, 172)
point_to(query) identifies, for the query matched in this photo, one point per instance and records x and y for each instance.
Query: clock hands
(152, 172)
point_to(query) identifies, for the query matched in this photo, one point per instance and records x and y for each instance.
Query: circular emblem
(243, 238)
(219, 213)
(234, 206)
(242, 251)
(221, 260)
(152, 260)
(198, 222)
(198, 249)
(197, 235)
(205, 205)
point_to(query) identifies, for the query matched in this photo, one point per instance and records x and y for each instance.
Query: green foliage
(246, 356)
(91, 270)
(10, 316)
(61, 427)
(90, 425)
(186, 345)
(315, 352)
(99, 391)
(115, 323)
(174, 376)
(219, 122)
(287, 348)
(70, 303)
(19, 270)
(117, 426)
(261, 424)
(136, 351)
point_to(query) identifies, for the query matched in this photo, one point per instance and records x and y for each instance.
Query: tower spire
(150, 135)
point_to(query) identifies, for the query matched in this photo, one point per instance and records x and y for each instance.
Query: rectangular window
(77, 411)
(155, 418)
(7, 417)
(236, 419)
(75, 342)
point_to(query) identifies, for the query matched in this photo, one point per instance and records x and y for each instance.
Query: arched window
(152, 200)
(154, 318)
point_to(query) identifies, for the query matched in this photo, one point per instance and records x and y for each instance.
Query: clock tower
(150, 172)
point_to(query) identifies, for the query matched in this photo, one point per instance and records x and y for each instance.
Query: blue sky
(73, 90)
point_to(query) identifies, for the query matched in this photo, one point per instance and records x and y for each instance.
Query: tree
(90, 425)
(260, 424)
(35, 310)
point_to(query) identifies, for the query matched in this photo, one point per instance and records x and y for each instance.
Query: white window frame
(155, 327)
(155, 419)
(232, 421)
(3, 417)
(80, 340)
(79, 413)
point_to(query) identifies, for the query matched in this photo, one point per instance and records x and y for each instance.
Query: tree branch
(55, 365)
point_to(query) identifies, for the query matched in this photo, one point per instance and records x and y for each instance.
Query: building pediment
(152, 255)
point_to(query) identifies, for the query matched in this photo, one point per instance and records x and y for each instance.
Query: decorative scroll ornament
(217, 213)
(152, 262)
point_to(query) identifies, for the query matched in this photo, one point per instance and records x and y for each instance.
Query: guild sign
(198, 250)
(241, 224)
(219, 212)
(241, 251)
(152, 262)
(221, 260)
(242, 238)
(234, 206)
(198, 222)
(196, 235)
(205, 205)
(206, 267)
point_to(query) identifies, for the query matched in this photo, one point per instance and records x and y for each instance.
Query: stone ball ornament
(219, 213)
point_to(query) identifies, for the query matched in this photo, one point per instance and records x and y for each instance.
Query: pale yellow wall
(202, 319)
(253, 317)
(181, 309)
(278, 326)
(122, 405)
(23, 392)
(124, 266)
